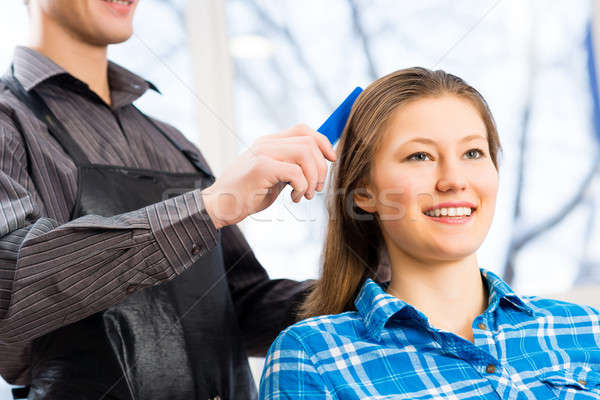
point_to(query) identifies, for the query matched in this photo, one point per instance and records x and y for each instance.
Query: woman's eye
(420, 156)
(475, 152)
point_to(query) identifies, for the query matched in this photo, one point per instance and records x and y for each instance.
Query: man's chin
(110, 38)
(120, 39)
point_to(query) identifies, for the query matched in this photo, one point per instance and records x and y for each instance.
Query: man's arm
(52, 275)
(264, 306)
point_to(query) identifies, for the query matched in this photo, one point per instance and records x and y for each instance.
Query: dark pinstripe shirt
(54, 271)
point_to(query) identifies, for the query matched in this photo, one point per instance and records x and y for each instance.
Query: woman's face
(434, 157)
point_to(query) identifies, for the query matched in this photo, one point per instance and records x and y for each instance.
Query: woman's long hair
(354, 241)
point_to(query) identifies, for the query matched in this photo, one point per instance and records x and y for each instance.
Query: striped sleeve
(289, 372)
(52, 275)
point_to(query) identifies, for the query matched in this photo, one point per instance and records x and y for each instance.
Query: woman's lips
(444, 219)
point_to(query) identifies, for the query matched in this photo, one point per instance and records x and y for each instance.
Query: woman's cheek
(402, 197)
(392, 204)
(488, 191)
(394, 194)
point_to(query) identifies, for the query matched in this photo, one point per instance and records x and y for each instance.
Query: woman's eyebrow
(430, 141)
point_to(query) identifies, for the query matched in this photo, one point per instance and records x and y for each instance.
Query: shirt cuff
(183, 229)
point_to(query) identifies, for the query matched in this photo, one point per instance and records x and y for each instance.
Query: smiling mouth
(120, 2)
(451, 212)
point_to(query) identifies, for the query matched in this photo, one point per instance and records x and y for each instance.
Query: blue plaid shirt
(524, 348)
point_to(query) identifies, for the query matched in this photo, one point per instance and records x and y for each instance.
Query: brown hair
(352, 248)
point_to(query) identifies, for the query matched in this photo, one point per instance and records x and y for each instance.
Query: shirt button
(195, 250)
(490, 369)
(131, 289)
(482, 326)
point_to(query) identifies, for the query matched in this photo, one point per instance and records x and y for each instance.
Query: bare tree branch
(285, 90)
(364, 39)
(176, 8)
(527, 235)
(522, 235)
(255, 88)
(588, 270)
(509, 269)
(295, 46)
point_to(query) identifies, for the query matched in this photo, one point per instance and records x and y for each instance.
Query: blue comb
(334, 125)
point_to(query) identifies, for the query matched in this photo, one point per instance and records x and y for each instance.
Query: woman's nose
(451, 179)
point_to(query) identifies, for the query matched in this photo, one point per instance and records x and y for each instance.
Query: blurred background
(233, 70)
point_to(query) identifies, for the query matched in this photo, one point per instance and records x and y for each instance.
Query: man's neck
(84, 61)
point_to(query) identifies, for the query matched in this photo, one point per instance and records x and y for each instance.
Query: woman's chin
(450, 252)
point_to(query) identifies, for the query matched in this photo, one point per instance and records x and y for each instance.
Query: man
(109, 289)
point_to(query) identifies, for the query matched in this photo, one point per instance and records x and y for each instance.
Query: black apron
(177, 340)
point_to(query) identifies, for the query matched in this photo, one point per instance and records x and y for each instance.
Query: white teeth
(123, 2)
(450, 212)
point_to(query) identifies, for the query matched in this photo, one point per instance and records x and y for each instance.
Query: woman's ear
(365, 199)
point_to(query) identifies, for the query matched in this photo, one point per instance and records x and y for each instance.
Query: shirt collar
(32, 68)
(376, 307)
(500, 290)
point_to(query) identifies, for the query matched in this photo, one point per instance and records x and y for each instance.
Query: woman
(417, 176)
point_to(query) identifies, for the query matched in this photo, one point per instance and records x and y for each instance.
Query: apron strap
(39, 107)
(191, 155)
(57, 129)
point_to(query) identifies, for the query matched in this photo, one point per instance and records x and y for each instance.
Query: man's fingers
(292, 174)
(302, 151)
(321, 169)
(324, 145)
(304, 147)
(304, 130)
(308, 163)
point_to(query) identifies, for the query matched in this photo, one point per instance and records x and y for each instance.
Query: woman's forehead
(438, 119)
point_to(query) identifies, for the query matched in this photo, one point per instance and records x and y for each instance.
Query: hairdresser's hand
(255, 179)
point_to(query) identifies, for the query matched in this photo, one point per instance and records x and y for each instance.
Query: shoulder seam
(325, 382)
